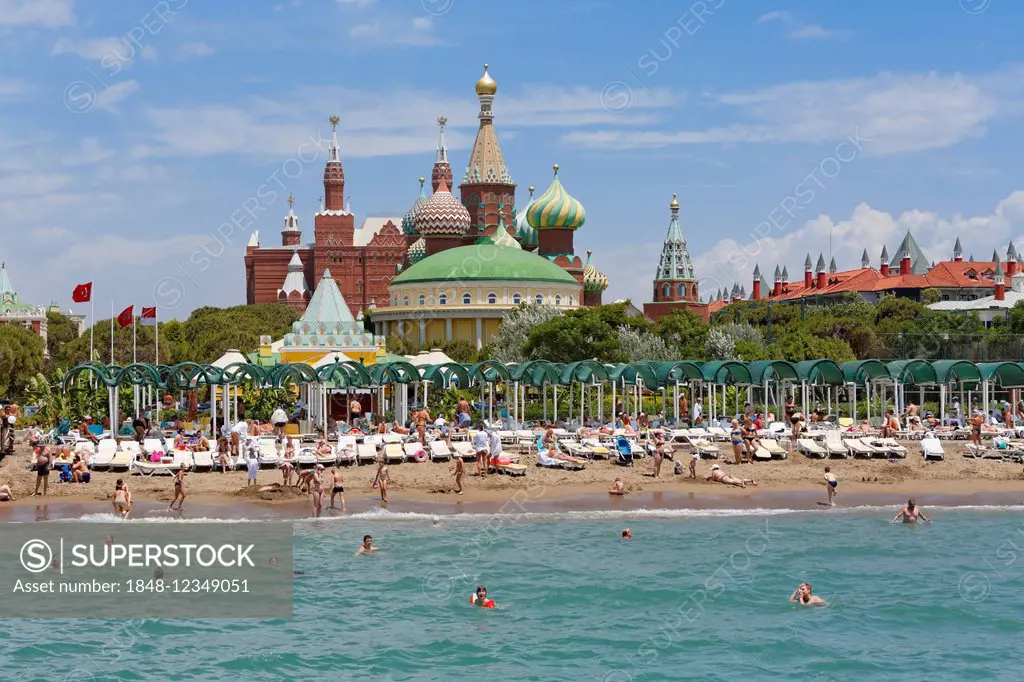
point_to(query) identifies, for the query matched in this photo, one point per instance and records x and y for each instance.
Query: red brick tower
(291, 235)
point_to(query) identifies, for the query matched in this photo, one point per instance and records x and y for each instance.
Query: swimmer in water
(618, 487)
(910, 514)
(627, 534)
(805, 595)
(831, 483)
(436, 522)
(479, 598)
(367, 546)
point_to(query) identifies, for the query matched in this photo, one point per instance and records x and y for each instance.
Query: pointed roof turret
(7, 292)
(958, 250)
(999, 275)
(295, 280)
(525, 233)
(743, 291)
(556, 209)
(442, 169)
(864, 260)
(918, 260)
(334, 174)
(291, 221)
(995, 256)
(442, 215)
(501, 237)
(254, 239)
(486, 164)
(417, 251)
(785, 273)
(807, 263)
(820, 267)
(885, 253)
(327, 306)
(757, 271)
(971, 258)
(1011, 252)
(675, 263)
(832, 266)
(778, 273)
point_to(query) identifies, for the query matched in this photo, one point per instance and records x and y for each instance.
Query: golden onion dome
(675, 201)
(486, 84)
(593, 279)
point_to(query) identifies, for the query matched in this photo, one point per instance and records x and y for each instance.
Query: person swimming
(805, 596)
(479, 598)
(910, 513)
(627, 534)
(367, 546)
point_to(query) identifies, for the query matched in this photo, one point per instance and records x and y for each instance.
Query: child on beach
(179, 488)
(122, 499)
(224, 453)
(458, 469)
(253, 466)
(694, 458)
(831, 483)
(337, 487)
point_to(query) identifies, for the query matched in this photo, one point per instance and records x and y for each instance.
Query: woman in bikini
(459, 469)
(318, 497)
(288, 465)
(122, 500)
(224, 453)
(179, 488)
(736, 438)
(382, 479)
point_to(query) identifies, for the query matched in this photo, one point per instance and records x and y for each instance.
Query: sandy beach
(429, 487)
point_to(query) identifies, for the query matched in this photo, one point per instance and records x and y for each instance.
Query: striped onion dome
(409, 220)
(442, 215)
(593, 279)
(526, 235)
(556, 209)
(417, 251)
(501, 237)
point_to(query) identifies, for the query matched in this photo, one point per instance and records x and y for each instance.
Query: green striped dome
(593, 279)
(556, 209)
(417, 251)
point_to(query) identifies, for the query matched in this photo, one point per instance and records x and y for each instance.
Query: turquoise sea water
(695, 595)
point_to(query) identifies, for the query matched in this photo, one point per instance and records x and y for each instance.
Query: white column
(423, 332)
(384, 328)
(479, 333)
(448, 329)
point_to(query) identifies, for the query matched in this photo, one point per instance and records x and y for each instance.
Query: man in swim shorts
(910, 513)
(805, 596)
(43, 471)
(831, 483)
(337, 487)
(627, 534)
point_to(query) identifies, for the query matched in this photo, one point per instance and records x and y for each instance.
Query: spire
(334, 174)
(778, 273)
(821, 263)
(7, 292)
(864, 260)
(885, 254)
(442, 146)
(757, 271)
(1011, 252)
(832, 266)
(995, 256)
(999, 274)
(333, 154)
(442, 169)
(294, 282)
(487, 180)
(958, 250)
(291, 235)
(675, 263)
(808, 265)
(785, 273)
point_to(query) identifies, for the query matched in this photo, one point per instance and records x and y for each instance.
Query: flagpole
(134, 336)
(92, 321)
(156, 330)
(111, 331)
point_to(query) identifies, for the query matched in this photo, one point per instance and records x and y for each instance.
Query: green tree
(580, 335)
(460, 351)
(798, 346)
(516, 326)
(60, 331)
(684, 332)
(400, 345)
(21, 358)
(929, 296)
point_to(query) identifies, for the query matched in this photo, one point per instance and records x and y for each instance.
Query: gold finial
(291, 201)
(335, 120)
(675, 201)
(556, 168)
(486, 84)
(531, 190)
(442, 121)
(422, 180)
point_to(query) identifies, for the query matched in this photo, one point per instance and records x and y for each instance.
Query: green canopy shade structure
(682, 371)
(762, 371)
(1002, 374)
(95, 369)
(344, 374)
(280, 376)
(726, 372)
(912, 372)
(445, 374)
(185, 374)
(956, 371)
(861, 372)
(238, 372)
(393, 373)
(584, 371)
(488, 371)
(820, 372)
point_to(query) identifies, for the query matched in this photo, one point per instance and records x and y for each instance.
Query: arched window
(442, 299)
(467, 299)
(492, 299)
(570, 300)
(540, 299)
(682, 290)
(558, 300)
(423, 299)
(667, 291)
(516, 299)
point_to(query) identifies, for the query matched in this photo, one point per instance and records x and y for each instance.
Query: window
(570, 300)
(540, 299)
(467, 299)
(682, 290)
(516, 299)
(558, 300)
(492, 299)
(405, 301)
(423, 299)
(442, 299)
(666, 291)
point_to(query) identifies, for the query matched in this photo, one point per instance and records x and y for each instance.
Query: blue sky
(131, 132)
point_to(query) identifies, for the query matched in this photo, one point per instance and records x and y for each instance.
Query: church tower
(487, 190)
(674, 280)
(334, 225)
(291, 235)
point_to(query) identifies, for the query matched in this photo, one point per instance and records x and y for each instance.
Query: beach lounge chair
(439, 451)
(304, 456)
(202, 460)
(718, 433)
(810, 448)
(701, 446)
(624, 451)
(122, 460)
(391, 438)
(131, 446)
(525, 436)
(346, 449)
(545, 460)
(105, 452)
(464, 450)
(511, 469)
(892, 446)
(366, 453)
(393, 452)
(147, 467)
(269, 455)
(861, 447)
(931, 448)
(596, 448)
(775, 450)
(835, 445)
(415, 452)
(508, 437)
(151, 445)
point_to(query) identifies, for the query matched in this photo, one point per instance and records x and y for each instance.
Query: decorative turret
(525, 233)
(334, 225)
(594, 283)
(501, 238)
(884, 266)
(441, 167)
(1000, 281)
(409, 219)
(820, 271)
(334, 174)
(294, 291)
(785, 277)
(417, 251)
(291, 235)
(864, 260)
(808, 272)
(1011, 260)
(556, 215)
(832, 267)
(777, 282)
(756, 287)
(958, 251)
(674, 279)
(442, 220)
(487, 187)
(905, 267)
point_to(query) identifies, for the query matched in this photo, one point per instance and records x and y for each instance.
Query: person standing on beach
(337, 487)
(659, 453)
(43, 471)
(976, 421)
(481, 445)
(179, 488)
(382, 479)
(122, 499)
(421, 418)
(831, 483)
(684, 407)
(253, 466)
(910, 513)
(736, 439)
(318, 497)
(694, 458)
(279, 419)
(462, 418)
(495, 448)
(459, 469)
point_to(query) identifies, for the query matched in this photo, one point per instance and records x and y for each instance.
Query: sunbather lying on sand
(718, 475)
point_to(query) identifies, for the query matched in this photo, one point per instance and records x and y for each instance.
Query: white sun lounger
(122, 460)
(931, 448)
(862, 448)
(545, 460)
(835, 445)
(464, 450)
(346, 449)
(391, 438)
(367, 452)
(893, 447)
(151, 445)
(508, 437)
(268, 453)
(327, 460)
(810, 448)
(104, 454)
(775, 450)
(700, 446)
(304, 456)
(439, 451)
(393, 452)
(202, 460)
(596, 448)
(718, 433)
(131, 446)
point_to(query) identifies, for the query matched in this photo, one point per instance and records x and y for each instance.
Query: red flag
(148, 316)
(125, 317)
(82, 293)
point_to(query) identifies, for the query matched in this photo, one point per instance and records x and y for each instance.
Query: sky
(134, 134)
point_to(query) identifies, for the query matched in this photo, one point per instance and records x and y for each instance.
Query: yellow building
(461, 294)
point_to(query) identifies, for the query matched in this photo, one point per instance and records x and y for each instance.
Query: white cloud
(46, 13)
(46, 234)
(796, 28)
(90, 151)
(732, 260)
(198, 49)
(13, 90)
(355, 3)
(898, 113)
(364, 30)
(109, 97)
(134, 250)
(422, 23)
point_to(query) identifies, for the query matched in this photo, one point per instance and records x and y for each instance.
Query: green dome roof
(484, 262)
(556, 209)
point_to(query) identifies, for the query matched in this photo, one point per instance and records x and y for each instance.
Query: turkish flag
(148, 316)
(125, 317)
(82, 293)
